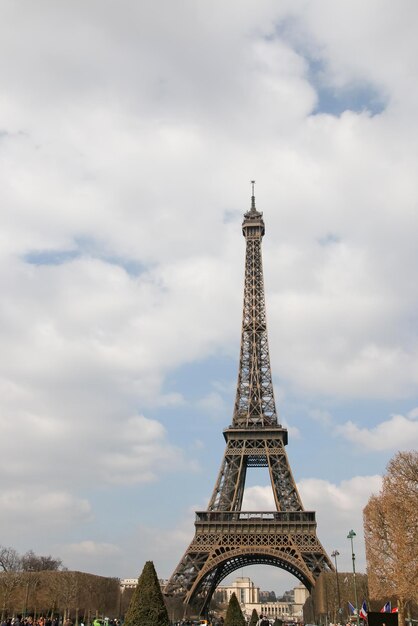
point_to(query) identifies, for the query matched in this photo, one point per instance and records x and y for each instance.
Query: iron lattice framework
(226, 537)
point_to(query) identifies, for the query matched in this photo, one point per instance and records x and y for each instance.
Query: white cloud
(214, 404)
(47, 508)
(258, 499)
(333, 337)
(294, 432)
(350, 495)
(398, 433)
(338, 508)
(101, 150)
(321, 416)
(81, 556)
(92, 548)
(82, 344)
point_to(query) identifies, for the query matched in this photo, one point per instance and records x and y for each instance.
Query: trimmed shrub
(147, 606)
(234, 616)
(254, 618)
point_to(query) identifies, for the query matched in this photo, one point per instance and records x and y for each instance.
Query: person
(263, 621)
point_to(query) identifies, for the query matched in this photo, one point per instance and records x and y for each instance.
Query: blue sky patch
(231, 215)
(329, 239)
(50, 257)
(87, 247)
(357, 96)
(195, 380)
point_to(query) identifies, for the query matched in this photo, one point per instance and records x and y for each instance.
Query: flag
(387, 608)
(363, 610)
(351, 609)
(394, 610)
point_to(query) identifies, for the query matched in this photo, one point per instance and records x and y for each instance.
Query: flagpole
(350, 536)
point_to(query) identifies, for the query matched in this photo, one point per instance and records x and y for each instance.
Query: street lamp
(334, 554)
(350, 536)
(28, 584)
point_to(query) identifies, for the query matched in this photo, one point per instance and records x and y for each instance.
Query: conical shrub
(147, 606)
(234, 616)
(254, 618)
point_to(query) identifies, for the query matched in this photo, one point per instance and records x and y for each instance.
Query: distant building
(288, 596)
(128, 583)
(300, 595)
(288, 608)
(267, 596)
(131, 583)
(244, 589)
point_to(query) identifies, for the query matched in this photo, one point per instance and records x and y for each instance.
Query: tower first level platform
(225, 541)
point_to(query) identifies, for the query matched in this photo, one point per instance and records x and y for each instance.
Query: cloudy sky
(129, 132)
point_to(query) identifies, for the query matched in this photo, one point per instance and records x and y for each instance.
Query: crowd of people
(55, 621)
(30, 621)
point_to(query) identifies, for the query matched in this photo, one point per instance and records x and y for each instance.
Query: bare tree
(391, 533)
(69, 592)
(31, 580)
(10, 560)
(9, 581)
(10, 564)
(31, 562)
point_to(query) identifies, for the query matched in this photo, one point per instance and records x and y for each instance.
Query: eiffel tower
(227, 538)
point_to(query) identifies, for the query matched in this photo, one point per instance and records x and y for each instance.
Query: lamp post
(350, 536)
(28, 584)
(334, 554)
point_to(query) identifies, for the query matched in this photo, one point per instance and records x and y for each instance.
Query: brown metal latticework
(226, 537)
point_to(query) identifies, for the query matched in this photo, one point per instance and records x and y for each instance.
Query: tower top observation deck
(253, 224)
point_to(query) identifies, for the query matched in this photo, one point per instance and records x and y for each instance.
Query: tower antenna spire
(252, 196)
